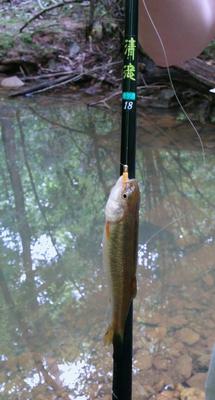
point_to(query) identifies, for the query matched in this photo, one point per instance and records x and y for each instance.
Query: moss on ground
(6, 43)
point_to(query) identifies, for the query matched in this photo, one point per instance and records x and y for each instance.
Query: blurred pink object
(185, 26)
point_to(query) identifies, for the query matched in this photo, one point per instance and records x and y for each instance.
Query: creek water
(58, 162)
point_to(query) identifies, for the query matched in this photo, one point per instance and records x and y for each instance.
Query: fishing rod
(122, 361)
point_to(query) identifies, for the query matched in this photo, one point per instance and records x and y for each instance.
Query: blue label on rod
(129, 96)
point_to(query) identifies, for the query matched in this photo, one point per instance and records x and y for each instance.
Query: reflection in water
(57, 165)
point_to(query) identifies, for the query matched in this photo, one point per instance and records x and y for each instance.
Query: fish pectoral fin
(134, 287)
(108, 337)
(112, 337)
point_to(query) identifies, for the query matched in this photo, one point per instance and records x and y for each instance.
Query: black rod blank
(122, 355)
(129, 92)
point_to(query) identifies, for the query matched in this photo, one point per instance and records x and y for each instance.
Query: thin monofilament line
(115, 396)
(163, 228)
(171, 82)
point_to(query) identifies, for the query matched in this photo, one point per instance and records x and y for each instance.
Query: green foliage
(26, 38)
(209, 52)
(6, 43)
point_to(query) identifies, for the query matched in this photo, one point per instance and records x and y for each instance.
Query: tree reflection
(57, 166)
(10, 148)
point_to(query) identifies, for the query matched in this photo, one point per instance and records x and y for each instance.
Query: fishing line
(171, 82)
(114, 395)
(163, 228)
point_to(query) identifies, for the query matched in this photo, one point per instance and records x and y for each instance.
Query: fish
(120, 251)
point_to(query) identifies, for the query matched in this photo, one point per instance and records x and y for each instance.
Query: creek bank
(58, 49)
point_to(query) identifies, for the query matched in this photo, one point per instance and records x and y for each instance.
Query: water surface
(58, 161)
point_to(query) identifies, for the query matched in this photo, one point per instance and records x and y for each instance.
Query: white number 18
(128, 105)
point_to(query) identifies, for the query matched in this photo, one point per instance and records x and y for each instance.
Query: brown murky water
(58, 161)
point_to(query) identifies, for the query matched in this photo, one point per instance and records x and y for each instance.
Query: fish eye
(124, 196)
